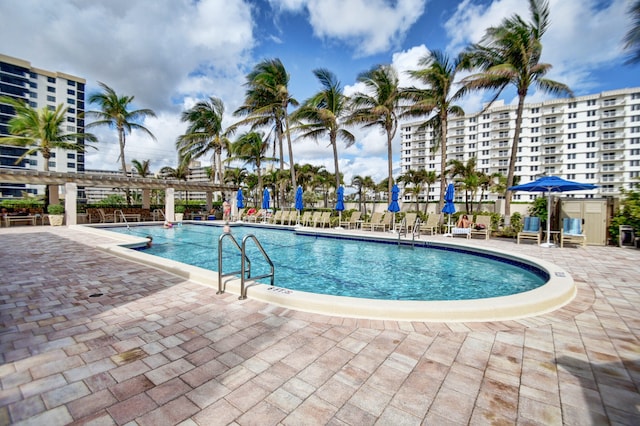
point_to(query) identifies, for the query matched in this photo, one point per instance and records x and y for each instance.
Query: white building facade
(41, 89)
(591, 139)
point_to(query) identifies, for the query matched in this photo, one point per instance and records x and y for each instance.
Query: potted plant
(56, 214)
(179, 213)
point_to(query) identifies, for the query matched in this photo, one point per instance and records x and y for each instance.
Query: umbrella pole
(548, 243)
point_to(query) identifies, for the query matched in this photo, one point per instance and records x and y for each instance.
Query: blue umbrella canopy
(240, 199)
(449, 207)
(394, 206)
(551, 184)
(340, 200)
(265, 198)
(299, 202)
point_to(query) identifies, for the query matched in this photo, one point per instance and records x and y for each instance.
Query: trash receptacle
(627, 236)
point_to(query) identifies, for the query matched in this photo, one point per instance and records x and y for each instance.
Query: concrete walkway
(87, 338)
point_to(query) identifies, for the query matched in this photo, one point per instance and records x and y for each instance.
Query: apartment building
(41, 89)
(592, 139)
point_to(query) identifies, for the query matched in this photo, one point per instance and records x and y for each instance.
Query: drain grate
(95, 295)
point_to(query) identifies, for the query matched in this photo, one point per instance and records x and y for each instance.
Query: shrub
(55, 209)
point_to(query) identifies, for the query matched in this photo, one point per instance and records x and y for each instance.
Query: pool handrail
(243, 288)
(242, 253)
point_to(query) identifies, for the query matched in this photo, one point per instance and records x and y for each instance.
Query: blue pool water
(346, 267)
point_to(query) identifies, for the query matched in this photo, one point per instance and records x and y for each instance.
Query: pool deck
(156, 349)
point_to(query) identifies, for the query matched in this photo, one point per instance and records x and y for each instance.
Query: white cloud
(583, 35)
(368, 26)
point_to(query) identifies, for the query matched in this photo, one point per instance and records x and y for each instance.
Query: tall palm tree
(114, 112)
(509, 54)
(430, 178)
(267, 100)
(632, 37)
(251, 147)
(205, 134)
(323, 115)
(438, 73)
(40, 131)
(235, 176)
(358, 182)
(379, 106)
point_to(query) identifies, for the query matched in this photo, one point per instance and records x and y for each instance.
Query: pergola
(71, 181)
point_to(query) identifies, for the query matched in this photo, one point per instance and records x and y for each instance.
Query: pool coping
(556, 293)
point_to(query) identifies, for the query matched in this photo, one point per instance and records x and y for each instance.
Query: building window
(573, 115)
(71, 101)
(71, 165)
(591, 155)
(571, 146)
(51, 98)
(572, 125)
(591, 124)
(51, 80)
(591, 113)
(591, 134)
(571, 136)
(571, 166)
(572, 104)
(535, 110)
(609, 102)
(591, 102)
(591, 144)
(635, 107)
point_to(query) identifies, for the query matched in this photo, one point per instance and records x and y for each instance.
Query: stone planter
(179, 217)
(56, 219)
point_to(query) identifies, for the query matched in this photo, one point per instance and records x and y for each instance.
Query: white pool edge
(556, 293)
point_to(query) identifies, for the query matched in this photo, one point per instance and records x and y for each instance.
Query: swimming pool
(349, 267)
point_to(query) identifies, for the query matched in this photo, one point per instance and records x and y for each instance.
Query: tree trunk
(514, 152)
(443, 160)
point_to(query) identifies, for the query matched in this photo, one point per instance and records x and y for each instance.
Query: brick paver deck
(88, 338)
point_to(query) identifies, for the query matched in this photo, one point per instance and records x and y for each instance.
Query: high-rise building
(41, 89)
(591, 139)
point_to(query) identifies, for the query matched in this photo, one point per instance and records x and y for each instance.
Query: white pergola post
(169, 204)
(71, 203)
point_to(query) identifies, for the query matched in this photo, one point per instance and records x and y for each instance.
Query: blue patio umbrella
(299, 201)
(449, 208)
(340, 202)
(551, 184)
(265, 198)
(394, 207)
(240, 199)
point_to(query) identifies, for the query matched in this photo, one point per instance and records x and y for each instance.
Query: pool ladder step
(245, 263)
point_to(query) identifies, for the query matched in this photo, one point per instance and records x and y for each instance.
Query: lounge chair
(324, 220)
(431, 225)
(531, 230)
(275, 218)
(482, 226)
(239, 215)
(572, 232)
(315, 217)
(306, 218)
(104, 217)
(353, 220)
(287, 215)
(376, 217)
(385, 224)
(464, 231)
(407, 223)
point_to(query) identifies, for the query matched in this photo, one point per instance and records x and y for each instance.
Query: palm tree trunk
(332, 138)
(390, 162)
(293, 169)
(443, 160)
(123, 162)
(514, 152)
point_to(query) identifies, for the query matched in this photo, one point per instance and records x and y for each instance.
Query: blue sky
(171, 53)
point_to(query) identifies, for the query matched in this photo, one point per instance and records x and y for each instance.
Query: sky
(169, 54)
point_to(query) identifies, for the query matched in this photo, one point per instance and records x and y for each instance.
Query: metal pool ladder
(123, 217)
(245, 263)
(414, 231)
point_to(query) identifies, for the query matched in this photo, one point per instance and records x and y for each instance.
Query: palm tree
(467, 179)
(142, 168)
(323, 115)
(205, 134)
(430, 178)
(358, 183)
(379, 106)
(40, 131)
(251, 147)
(509, 54)
(438, 73)
(114, 112)
(266, 103)
(235, 176)
(413, 180)
(632, 38)
(181, 172)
